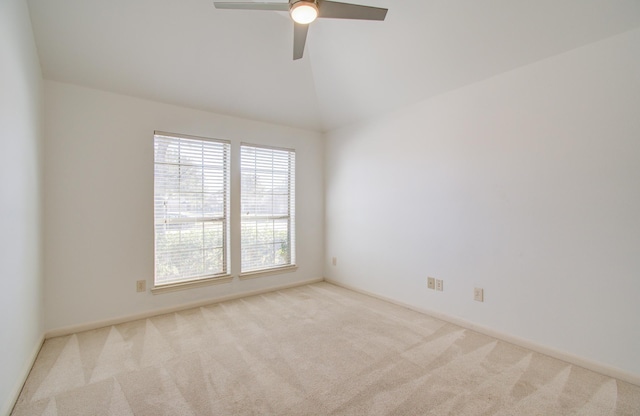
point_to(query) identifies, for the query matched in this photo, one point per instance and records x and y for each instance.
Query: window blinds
(268, 208)
(191, 199)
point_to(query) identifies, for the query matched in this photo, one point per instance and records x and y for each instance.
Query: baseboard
(15, 394)
(144, 315)
(525, 343)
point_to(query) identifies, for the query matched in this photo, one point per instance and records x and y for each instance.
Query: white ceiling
(187, 52)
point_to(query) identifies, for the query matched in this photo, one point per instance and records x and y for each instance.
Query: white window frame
(250, 166)
(219, 148)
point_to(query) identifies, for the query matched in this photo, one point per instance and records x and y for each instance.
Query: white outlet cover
(478, 294)
(439, 285)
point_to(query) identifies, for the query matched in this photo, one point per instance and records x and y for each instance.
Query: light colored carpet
(313, 350)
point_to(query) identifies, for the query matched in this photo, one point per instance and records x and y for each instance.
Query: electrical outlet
(478, 294)
(334, 261)
(431, 283)
(439, 285)
(141, 286)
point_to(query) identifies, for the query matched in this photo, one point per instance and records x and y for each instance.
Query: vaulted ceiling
(187, 52)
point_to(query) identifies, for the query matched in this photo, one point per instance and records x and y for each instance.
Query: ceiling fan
(304, 12)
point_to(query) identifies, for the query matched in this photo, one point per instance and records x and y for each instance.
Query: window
(191, 199)
(268, 208)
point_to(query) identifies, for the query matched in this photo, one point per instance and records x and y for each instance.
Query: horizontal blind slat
(267, 208)
(191, 205)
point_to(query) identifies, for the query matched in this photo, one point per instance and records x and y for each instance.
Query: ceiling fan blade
(280, 7)
(299, 39)
(335, 10)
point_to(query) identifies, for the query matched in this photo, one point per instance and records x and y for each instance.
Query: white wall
(21, 315)
(526, 184)
(99, 202)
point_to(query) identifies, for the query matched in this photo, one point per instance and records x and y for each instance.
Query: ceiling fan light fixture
(304, 12)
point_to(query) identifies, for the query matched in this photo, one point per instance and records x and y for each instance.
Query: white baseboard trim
(7, 407)
(521, 342)
(144, 315)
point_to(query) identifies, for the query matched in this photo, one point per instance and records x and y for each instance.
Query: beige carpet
(313, 350)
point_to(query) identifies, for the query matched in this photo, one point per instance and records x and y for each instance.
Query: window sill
(267, 272)
(173, 287)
